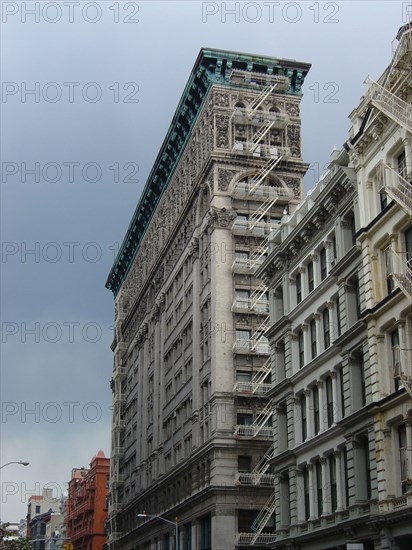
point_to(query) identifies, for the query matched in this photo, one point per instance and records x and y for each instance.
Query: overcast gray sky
(88, 92)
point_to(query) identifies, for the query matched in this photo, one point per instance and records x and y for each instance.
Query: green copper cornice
(211, 67)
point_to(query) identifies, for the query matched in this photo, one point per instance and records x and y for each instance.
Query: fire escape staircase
(402, 59)
(258, 294)
(258, 335)
(389, 104)
(258, 254)
(257, 102)
(259, 475)
(400, 363)
(262, 519)
(257, 385)
(401, 270)
(396, 186)
(259, 425)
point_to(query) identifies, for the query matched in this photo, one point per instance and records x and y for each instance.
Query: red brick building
(87, 504)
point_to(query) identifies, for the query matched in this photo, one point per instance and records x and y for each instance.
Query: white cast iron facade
(340, 282)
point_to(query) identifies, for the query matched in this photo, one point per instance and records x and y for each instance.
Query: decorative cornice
(211, 67)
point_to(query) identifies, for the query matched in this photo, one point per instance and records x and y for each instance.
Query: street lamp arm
(15, 462)
(159, 517)
(174, 523)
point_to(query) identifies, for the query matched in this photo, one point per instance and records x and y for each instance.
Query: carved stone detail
(293, 133)
(222, 131)
(224, 178)
(295, 185)
(292, 109)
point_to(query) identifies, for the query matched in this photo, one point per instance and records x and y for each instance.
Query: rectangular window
(313, 342)
(301, 349)
(244, 419)
(306, 491)
(242, 254)
(334, 251)
(242, 298)
(338, 319)
(298, 288)
(245, 519)
(357, 296)
(390, 283)
(364, 477)
(329, 400)
(316, 411)
(345, 471)
(243, 339)
(326, 328)
(332, 475)
(323, 268)
(362, 379)
(383, 199)
(206, 533)
(403, 457)
(396, 358)
(244, 464)
(242, 258)
(311, 283)
(187, 537)
(408, 245)
(243, 376)
(402, 168)
(304, 417)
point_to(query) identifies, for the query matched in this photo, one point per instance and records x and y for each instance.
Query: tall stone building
(191, 425)
(339, 275)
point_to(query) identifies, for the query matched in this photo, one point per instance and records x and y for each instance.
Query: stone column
(339, 481)
(326, 500)
(223, 530)
(300, 496)
(333, 329)
(312, 508)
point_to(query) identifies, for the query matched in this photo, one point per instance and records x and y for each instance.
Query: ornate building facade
(191, 423)
(340, 288)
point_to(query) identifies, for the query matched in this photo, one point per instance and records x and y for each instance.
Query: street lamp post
(167, 521)
(15, 462)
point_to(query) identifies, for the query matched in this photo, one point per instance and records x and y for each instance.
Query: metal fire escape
(255, 189)
(400, 364)
(382, 98)
(395, 185)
